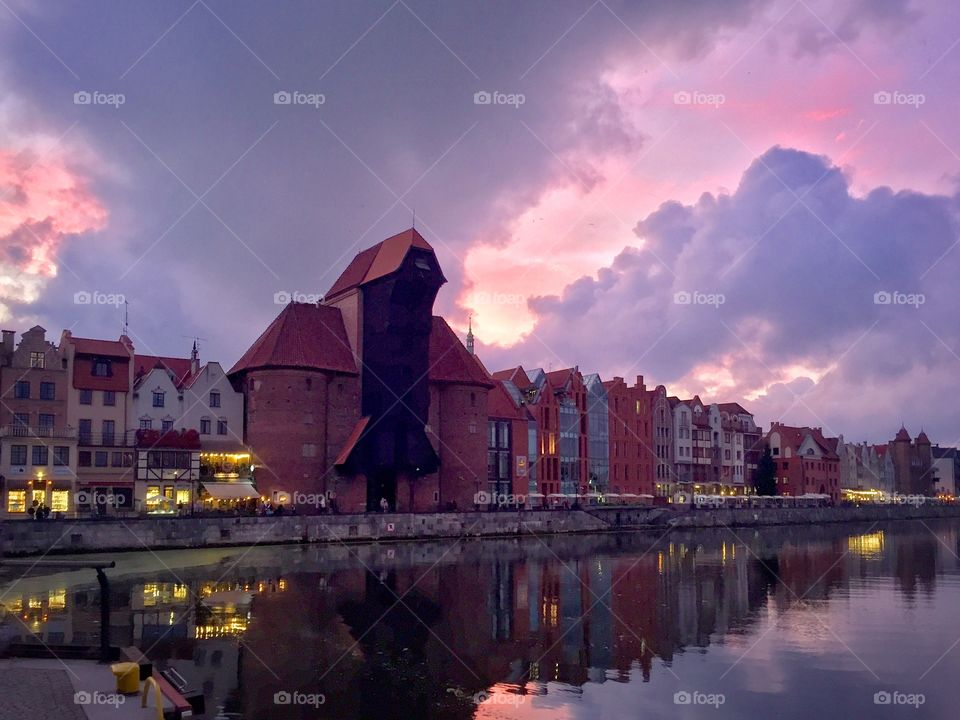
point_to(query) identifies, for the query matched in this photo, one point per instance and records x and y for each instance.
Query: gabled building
(511, 438)
(632, 457)
(368, 398)
(662, 441)
(99, 406)
(189, 425)
(38, 446)
(806, 461)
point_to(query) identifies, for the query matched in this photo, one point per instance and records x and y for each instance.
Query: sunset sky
(787, 167)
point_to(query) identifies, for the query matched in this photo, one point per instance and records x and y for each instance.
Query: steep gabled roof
(518, 376)
(178, 367)
(375, 262)
(449, 360)
(502, 404)
(793, 437)
(302, 336)
(733, 408)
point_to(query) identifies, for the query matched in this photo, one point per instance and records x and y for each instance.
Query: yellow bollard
(128, 677)
(159, 695)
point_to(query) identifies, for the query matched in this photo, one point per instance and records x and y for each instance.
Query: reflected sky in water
(791, 622)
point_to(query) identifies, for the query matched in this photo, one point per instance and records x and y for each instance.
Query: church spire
(470, 335)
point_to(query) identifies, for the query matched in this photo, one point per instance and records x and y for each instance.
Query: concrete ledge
(24, 537)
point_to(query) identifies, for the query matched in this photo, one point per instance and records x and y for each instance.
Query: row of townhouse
(904, 465)
(90, 426)
(592, 438)
(367, 400)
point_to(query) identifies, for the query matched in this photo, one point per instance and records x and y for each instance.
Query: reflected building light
(868, 545)
(57, 599)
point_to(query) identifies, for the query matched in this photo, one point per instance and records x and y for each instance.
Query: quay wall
(27, 537)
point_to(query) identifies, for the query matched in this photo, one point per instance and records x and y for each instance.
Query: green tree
(765, 476)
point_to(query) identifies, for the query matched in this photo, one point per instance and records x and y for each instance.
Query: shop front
(226, 481)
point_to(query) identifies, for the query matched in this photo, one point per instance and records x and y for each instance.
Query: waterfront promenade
(24, 538)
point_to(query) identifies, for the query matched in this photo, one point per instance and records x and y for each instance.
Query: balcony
(43, 431)
(115, 439)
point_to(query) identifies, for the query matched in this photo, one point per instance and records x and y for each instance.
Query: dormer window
(101, 368)
(422, 263)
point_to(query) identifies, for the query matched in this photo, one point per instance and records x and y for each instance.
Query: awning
(231, 490)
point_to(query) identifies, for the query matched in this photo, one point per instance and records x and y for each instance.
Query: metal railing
(38, 431)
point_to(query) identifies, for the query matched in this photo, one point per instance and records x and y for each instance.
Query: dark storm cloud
(798, 261)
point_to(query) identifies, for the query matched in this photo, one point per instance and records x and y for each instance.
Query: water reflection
(564, 626)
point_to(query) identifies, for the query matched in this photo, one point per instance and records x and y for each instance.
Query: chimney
(194, 359)
(8, 339)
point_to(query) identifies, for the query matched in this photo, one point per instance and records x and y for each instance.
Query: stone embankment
(25, 537)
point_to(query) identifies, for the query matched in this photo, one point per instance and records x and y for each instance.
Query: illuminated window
(38, 496)
(183, 497)
(57, 599)
(60, 500)
(17, 501)
(153, 493)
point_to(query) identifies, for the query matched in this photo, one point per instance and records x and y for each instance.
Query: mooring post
(104, 615)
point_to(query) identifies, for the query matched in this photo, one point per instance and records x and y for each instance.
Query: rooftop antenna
(414, 226)
(126, 318)
(195, 339)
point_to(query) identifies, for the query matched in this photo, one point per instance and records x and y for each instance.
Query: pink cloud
(43, 203)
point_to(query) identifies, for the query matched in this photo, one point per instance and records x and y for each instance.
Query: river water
(833, 621)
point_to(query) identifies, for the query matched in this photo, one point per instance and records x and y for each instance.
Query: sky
(756, 201)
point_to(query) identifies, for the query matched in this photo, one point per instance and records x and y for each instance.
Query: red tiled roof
(794, 436)
(902, 434)
(518, 376)
(558, 378)
(180, 367)
(375, 262)
(449, 359)
(107, 348)
(501, 405)
(302, 336)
